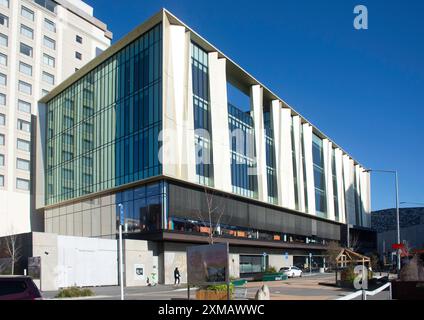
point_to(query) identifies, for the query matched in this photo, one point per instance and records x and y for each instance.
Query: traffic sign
(264, 254)
(286, 255)
(121, 214)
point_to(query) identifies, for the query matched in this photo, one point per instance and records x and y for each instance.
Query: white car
(291, 272)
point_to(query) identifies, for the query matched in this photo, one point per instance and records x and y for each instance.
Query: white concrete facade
(51, 41)
(293, 151)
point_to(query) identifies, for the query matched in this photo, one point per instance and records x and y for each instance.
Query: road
(306, 288)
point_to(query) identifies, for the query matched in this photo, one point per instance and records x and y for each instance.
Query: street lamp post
(397, 209)
(121, 264)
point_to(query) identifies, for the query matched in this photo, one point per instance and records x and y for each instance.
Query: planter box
(211, 295)
(274, 277)
(408, 290)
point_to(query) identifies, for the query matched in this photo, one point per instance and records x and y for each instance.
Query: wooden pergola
(347, 257)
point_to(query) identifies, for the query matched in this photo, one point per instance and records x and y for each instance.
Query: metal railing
(365, 293)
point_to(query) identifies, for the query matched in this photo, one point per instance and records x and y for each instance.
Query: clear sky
(364, 89)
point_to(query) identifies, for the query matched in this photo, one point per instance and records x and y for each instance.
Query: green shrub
(271, 270)
(221, 287)
(74, 292)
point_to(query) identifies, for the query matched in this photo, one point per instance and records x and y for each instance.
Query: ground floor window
(251, 264)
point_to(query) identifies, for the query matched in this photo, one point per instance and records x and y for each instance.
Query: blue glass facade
(201, 110)
(243, 163)
(270, 160)
(319, 178)
(103, 130)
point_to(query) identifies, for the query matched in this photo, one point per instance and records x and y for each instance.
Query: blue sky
(364, 89)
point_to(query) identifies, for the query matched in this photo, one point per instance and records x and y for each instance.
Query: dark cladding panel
(191, 203)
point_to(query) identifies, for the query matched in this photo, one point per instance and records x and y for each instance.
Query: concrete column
(328, 173)
(256, 100)
(310, 187)
(40, 152)
(276, 126)
(219, 119)
(286, 161)
(299, 163)
(340, 186)
(349, 192)
(178, 152)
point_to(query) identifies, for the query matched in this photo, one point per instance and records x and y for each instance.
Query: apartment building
(42, 42)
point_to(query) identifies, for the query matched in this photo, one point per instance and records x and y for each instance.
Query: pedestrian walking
(177, 276)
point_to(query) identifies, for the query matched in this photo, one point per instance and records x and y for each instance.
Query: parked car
(291, 272)
(18, 288)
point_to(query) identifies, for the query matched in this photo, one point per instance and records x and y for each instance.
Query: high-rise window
(202, 124)
(22, 164)
(2, 119)
(4, 40)
(3, 59)
(24, 125)
(4, 20)
(49, 25)
(25, 68)
(49, 43)
(23, 145)
(242, 144)
(335, 184)
(24, 106)
(27, 32)
(270, 159)
(48, 60)
(2, 140)
(1, 160)
(319, 178)
(1, 180)
(78, 39)
(48, 78)
(25, 49)
(78, 55)
(22, 184)
(27, 13)
(3, 79)
(4, 3)
(48, 4)
(2, 99)
(25, 87)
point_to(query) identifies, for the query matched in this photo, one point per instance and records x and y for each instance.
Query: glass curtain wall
(295, 177)
(103, 130)
(305, 185)
(270, 160)
(319, 179)
(243, 163)
(202, 122)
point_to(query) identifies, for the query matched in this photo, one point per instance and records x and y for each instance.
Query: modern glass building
(150, 126)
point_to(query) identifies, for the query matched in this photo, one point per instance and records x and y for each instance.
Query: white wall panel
(310, 187)
(178, 135)
(219, 120)
(86, 262)
(256, 98)
(328, 173)
(287, 182)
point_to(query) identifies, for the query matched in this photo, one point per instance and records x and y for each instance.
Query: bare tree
(354, 242)
(215, 211)
(333, 250)
(12, 248)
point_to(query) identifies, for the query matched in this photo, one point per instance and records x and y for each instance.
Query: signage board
(208, 264)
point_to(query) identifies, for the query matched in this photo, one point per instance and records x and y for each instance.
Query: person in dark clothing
(177, 276)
